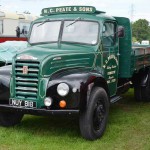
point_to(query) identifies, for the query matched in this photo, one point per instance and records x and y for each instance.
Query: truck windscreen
(85, 32)
(45, 32)
(80, 32)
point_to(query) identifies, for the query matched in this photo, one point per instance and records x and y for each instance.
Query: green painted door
(110, 55)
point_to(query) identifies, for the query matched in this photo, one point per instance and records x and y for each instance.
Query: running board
(115, 99)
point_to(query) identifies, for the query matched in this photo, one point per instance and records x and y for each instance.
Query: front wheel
(93, 120)
(8, 119)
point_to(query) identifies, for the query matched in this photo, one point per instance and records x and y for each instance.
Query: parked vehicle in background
(10, 21)
(145, 42)
(79, 61)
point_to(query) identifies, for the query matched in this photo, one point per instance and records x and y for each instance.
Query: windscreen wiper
(77, 19)
(43, 22)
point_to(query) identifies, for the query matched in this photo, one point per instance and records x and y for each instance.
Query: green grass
(128, 129)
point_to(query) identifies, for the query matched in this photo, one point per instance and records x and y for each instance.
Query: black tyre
(145, 93)
(142, 91)
(138, 93)
(8, 119)
(93, 120)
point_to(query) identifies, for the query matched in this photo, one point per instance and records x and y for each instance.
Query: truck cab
(79, 60)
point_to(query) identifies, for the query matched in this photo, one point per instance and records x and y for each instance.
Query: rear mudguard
(142, 78)
(5, 74)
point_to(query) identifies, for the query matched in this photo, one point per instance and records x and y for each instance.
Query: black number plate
(21, 103)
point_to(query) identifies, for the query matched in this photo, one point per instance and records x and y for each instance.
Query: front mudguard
(74, 95)
(4, 83)
(80, 85)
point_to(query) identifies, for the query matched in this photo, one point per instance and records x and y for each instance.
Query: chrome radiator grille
(26, 79)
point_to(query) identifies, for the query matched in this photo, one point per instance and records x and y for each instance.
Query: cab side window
(109, 34)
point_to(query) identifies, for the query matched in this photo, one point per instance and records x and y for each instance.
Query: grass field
(128, 129)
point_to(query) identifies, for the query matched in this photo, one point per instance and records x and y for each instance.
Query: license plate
(21, 103)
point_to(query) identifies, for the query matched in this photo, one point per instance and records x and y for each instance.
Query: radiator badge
(25, 69)
(26, 57)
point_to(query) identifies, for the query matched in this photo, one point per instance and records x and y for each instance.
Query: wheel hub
(98, 115)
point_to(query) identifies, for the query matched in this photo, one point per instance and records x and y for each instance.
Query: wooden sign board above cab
(68, 9)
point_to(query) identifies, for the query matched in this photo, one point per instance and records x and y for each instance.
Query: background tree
(141, 30)
(134, 39)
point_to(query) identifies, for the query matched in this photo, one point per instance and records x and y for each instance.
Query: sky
(133, 9)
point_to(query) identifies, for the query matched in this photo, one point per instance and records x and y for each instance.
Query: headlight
(48, 101)
(62, 89)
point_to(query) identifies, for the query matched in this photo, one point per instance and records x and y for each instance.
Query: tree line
(140, 30)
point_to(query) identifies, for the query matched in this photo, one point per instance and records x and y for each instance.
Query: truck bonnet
(52, 60)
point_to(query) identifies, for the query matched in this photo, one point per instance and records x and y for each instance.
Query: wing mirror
(121, 31)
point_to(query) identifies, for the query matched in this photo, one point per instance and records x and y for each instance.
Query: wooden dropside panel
(141, 57)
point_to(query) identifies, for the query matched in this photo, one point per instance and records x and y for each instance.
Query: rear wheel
(142, 87)
(137, 93)
(8, 119)
(146, 94)
(94, 119)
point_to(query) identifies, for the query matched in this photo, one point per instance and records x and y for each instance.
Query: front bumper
(41, 112)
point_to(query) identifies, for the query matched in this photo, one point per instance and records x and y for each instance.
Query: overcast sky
(133, 9)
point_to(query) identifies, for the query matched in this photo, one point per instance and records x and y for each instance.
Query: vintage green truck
(79, 60)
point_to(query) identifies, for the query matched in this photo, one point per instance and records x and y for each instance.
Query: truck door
(126, 63)
(110, 55)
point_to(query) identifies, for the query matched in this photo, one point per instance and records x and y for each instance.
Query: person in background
(23, 31)
(18, 32)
